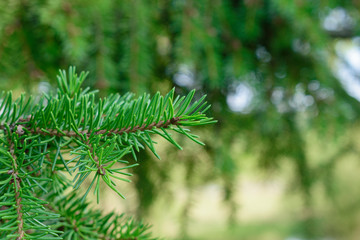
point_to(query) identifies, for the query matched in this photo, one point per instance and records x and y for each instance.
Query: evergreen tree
(279, 52)
(73, 132)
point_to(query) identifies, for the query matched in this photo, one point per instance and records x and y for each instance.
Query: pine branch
(36, 134)
(90, 125)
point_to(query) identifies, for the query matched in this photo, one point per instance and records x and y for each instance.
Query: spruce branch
(75, 132)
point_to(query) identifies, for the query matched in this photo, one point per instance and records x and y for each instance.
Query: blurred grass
(248, 231)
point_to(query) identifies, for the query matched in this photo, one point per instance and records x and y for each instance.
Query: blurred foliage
(266, 65)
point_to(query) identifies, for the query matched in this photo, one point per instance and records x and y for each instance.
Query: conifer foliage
(73, 132)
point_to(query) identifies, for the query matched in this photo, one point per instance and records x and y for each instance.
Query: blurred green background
(283, 78)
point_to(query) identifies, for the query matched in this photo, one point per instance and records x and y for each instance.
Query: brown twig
(69, 133)
(18, 198)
